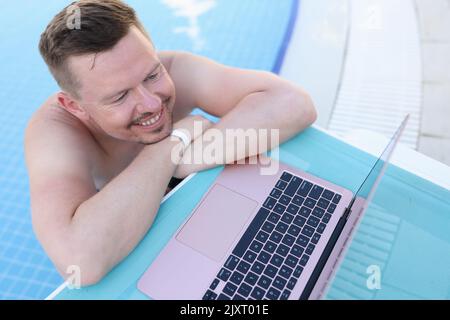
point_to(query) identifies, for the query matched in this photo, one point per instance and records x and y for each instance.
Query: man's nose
(147, 101)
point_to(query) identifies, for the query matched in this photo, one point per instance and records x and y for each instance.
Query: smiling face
(126, 92)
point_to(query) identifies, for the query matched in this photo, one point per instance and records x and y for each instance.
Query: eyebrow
(155, 66)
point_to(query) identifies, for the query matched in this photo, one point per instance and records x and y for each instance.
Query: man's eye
(121, 97)
(152, 77)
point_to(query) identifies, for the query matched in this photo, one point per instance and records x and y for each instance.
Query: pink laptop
(258, 237)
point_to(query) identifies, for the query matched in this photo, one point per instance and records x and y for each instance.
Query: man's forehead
(101, 72)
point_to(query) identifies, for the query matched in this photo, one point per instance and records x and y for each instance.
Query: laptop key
(298, 271)
(298, 200)
(281, 184)
(243, 267)
(250, 233)
(262, 236)
(323, 203)
(321, 227)
(238, 297)
(291, 283)
(258, 293)
(318, 212)
(310, 248)
(273, 294)
(285, 200)
(270, 246)
(305, 212)
(288, 240)
(327, 194)
(214, 284)
(263, 257)
(297, 250)
(336, 198)
(282, 250)
(291, 261)
(292, 209)
(304, 188)
(249, 256)
(270, 271)
(251, 278)
(315, 238)
(310, 203)
(244, 289)
(281, 227)
(302, 240)
(236, 277)
(293, 186)
(231, 262)
(308, 231)
(293, 230)
(273, 217)
(229, 289)
(316, 192)
(279, 208)
(257, 267)
(268, 226)
(286, 176)
(209, 295)
(313, 221)
(276, 260)
(223, 274)
(299, 221)
(276, 193)
(279, 283)
(326, 218)
(285, 294)
(287, 218)
(285, 271)
(304, 259)
(276, 237)
(264, 282)
(269, 203)
(223, 297)
(331, 208)
(255, 246)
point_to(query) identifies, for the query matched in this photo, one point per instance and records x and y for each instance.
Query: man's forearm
(108, 226)
(286, 112)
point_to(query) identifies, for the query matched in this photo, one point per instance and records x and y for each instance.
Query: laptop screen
(370, 183)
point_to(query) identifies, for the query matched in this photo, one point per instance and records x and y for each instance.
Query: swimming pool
(247, 34)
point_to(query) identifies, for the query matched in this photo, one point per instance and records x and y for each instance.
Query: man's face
(126, 91)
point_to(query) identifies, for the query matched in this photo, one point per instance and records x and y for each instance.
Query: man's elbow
(310, 109)
(302, 109)
(81, 270)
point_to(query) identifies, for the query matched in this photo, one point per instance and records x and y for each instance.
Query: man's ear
(72, 106)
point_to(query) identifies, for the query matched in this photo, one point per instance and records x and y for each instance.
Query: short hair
(102, 24)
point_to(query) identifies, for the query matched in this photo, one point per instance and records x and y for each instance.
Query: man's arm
(244, 99)
(77, 225)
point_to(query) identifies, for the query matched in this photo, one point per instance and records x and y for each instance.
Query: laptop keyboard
(270, 256)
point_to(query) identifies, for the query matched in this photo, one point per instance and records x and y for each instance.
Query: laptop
(255, 237)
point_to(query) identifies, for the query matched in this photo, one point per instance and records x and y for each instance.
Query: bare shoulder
(184, 102)
(58, 155)
(52, 131)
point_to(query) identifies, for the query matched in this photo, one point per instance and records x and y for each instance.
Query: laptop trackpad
(217, 222)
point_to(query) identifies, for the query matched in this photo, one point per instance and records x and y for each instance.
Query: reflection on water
(191, 10)
(413, 260)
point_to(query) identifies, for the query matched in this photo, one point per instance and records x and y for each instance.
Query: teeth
(151, 121)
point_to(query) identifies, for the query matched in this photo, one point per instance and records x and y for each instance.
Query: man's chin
(164, 133)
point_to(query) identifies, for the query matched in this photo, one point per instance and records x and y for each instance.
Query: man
(100, 153)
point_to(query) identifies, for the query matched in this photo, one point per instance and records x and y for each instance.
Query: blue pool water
(248, 34)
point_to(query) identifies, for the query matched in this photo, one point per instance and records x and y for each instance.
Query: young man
(100, 152)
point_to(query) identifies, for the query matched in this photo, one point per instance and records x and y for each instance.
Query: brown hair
(103, 23)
